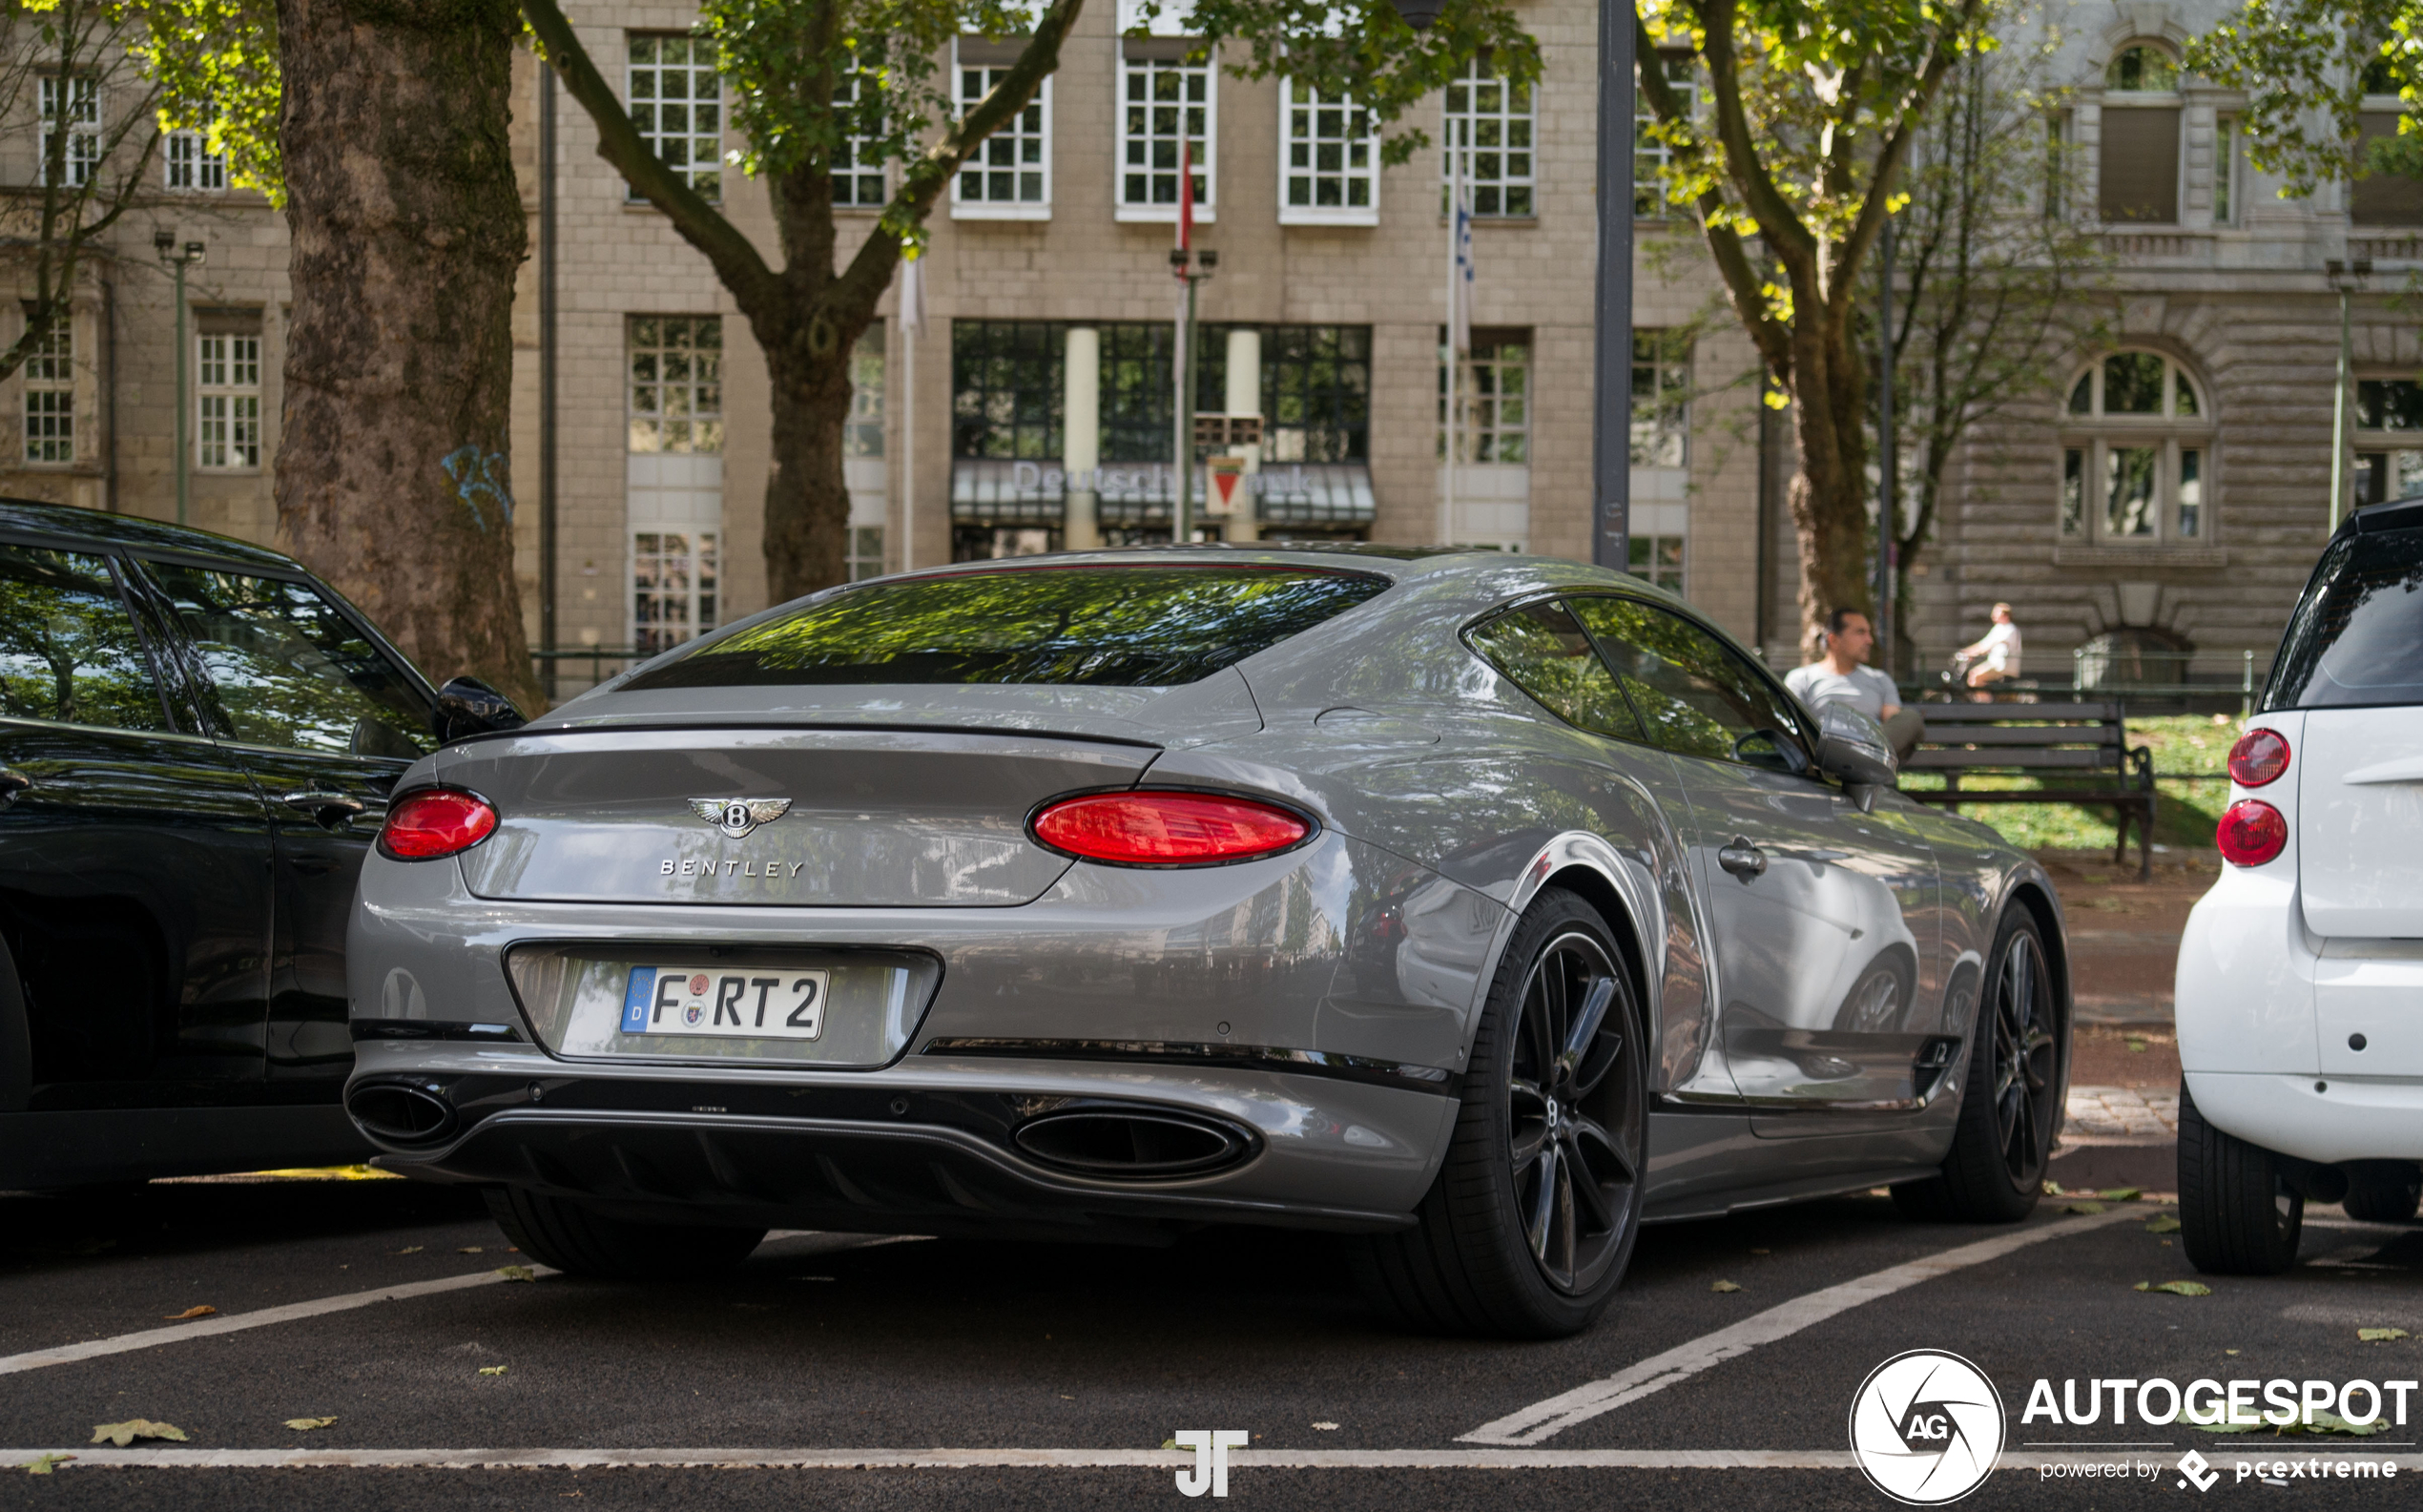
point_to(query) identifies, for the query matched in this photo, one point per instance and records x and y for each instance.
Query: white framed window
(858, 173)
(2228, 147)
(1329, 158)
(50, 398)
(674, 581)
(2389, 440)
(1493, 423)
(1169, 103)
(1491, 123)
(1661, 399)
(227, 402)
(187, 163)
(676, 362)
(1652, 161)
(2135, 454)
(863, 436)
(866, 552)
(1656, 559)
(72, 103)
(677, 101)
(1009, 178)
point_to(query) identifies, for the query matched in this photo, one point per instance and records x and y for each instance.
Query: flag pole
(912, 319)
(1181, 525)
(1455, 375)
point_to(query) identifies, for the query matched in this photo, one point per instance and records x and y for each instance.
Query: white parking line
(238, 1322)
(1544, 1419)
(1032, 1459)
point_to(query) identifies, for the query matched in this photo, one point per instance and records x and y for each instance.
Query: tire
(2383, 1190)
(2238, 1216)
(2010, 1092)
(1528, 1229)
(573, 1239)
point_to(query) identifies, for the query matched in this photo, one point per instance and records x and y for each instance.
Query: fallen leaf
(1762, 1252)
(2379, 1336)
(2083, 1206)
(1724, 1286)
(517, 1272)
(2164, 1224)
(306, 1424)
(191, 1312)
(122, 1434)
(2121, 1193)
(1325, 1427)
(2136, 1047)
(2178, 1289)
(411, 1250)
(1168, 1443)
(2052, 1187)
(2229, 1352)
(468, 1249)
(2315, 1423)
(44, 1464)
(492, 1370)
(1065, 1396)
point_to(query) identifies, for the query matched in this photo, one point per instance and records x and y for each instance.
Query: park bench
(2079, 751)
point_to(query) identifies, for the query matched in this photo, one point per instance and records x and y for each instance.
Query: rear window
(2358, 638)
(1125, 627)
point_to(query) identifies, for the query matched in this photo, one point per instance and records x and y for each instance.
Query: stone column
(1081, 414)
(1244, 398)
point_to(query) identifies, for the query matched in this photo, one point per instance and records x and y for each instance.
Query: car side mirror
(468, 707)
(1852, 749)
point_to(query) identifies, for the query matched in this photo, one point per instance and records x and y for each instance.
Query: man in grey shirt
(1842, 676)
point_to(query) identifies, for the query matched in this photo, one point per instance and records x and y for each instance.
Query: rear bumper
(2325, 1120)
(928, 1146)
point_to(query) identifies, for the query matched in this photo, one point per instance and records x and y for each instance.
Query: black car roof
(34, 517)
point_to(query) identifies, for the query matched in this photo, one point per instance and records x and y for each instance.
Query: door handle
(330, 811)
(11, 783)
(1741, 859)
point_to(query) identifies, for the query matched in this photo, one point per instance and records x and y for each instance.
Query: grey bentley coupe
(1482, 907)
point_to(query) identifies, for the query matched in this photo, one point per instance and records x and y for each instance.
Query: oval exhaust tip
(399, 1113)
(1104, 1143)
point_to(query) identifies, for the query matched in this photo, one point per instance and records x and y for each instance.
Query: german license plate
(757, 1004)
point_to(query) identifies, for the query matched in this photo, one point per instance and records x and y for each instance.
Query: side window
(1696, 695)
(1544, 652)
(69, 650)
(291, 672)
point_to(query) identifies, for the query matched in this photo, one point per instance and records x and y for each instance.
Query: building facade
(2171, 495)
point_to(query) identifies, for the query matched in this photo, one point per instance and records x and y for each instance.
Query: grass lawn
(2190, 756)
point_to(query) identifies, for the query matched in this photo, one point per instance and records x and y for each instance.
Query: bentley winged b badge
(737, 817)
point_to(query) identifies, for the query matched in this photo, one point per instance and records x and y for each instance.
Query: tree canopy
(2307, 67)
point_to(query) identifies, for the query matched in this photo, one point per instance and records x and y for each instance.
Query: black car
(196, 741)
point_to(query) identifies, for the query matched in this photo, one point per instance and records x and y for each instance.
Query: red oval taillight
(1168, 829)
(431, 823)
(2259, 757)
(2251, 833)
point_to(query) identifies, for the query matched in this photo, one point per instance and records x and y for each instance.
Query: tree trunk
(1829, 495)
(393, 479)
(807, 498)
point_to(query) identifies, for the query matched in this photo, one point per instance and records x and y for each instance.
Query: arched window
(2138, 155)
(2135, 454)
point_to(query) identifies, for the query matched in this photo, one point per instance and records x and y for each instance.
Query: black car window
(69, 650)
(1697, 695)
(1133, 627)
(290, 671)
(2357, 635)
(1542, 651)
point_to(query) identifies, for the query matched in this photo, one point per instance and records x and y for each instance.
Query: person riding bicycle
(2000, 647)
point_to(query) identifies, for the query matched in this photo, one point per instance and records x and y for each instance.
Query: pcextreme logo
(1926, 1427)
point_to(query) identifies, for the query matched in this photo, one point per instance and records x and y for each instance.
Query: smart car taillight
(2259, 757)
(430, 822)
(1168, 829)
(2251, 833)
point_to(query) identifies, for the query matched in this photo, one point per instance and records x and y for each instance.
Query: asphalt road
(833, 1342)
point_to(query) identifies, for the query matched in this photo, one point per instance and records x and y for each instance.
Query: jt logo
(1210, 1471)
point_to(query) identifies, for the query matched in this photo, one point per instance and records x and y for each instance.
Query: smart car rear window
(2357, 634)
(1131, 627)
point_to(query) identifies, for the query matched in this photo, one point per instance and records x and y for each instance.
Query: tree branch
(1791, 240)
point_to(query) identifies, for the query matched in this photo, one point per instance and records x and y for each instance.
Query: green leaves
(2176, 1288)
(216, 62)
(122, 1434)
(2307, 66)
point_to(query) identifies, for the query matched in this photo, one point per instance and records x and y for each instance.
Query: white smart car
(2300, 987)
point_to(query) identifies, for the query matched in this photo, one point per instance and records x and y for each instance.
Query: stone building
(2173, 495)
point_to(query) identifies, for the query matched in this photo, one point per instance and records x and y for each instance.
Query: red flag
(1185, 195)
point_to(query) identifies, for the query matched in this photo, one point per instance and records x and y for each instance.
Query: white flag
(912, 293)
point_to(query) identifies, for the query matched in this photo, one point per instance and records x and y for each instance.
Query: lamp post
(1191, 267)
(2346, 278)
(164, 243)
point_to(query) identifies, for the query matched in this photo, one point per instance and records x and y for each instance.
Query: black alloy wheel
(2011, 1093)
(1527, 1229)
(1573, 1174)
